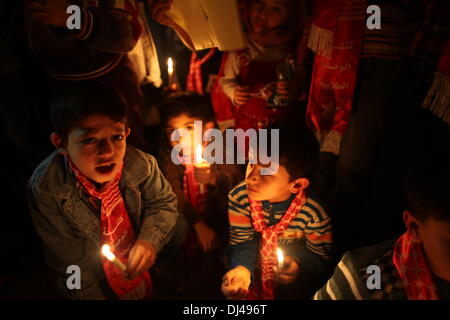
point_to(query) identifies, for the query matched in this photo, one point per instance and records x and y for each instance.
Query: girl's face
(186, 123)
(269, 14)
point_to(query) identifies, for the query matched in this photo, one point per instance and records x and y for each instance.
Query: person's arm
(160, 206)
(230, 74)
(174, 176)
(308, 261)
(318, 230)
(345, 284)
(63, 247)
(105, 28)
(312, 254)
(205, 234)
(243, 248)
(244, 254)
(110, 29)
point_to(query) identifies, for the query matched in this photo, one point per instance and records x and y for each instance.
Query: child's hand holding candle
(170, 67)
(205, 175)
(203, 170)
(142, 257)
(173, 81)
(288, 271)
(106, 251)
(280, 256)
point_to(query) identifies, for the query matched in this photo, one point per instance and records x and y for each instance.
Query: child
(206, 212)
(266, 211)
(417, 265)
(252, 76)
(96, 190)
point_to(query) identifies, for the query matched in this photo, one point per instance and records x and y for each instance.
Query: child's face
(435, 238)
(268, 14)
(183, 121)
(273, 188)
(97, 147)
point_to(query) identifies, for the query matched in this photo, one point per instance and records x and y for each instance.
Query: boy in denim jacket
(96, 190)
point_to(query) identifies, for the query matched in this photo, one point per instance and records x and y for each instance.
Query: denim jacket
(69, 226)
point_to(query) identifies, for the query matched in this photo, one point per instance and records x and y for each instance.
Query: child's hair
(298, 150)
(73, 103)
(189, 103)
(427, 187)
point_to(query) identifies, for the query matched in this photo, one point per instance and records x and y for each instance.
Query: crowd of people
(91, 118)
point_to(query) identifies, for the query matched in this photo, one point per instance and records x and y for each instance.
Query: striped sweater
(399, 24)
(307, 239)
(109, 30)
(349, 281)
(352, 275)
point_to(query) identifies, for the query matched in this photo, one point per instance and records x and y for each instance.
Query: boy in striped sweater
(278, 210)
(415, 266)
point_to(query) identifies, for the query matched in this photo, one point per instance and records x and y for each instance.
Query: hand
(50, 11)
(142, 257)
(207, 236)
(285, 89)
(289, 272)
(235, 283)
(205, 175)
(268, 90)
(241, 95)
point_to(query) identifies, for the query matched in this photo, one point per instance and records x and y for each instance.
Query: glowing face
(97, 147)
(268, 14)
(273, 188)
(183, 121)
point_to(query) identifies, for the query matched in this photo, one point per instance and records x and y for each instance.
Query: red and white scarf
(194, 80)
(413, 269)
(438, 97)
(265, 289)
(335, 38)
(116, 230)
(192, 189)
(198, 201)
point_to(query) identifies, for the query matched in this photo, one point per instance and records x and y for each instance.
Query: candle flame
(106, 250)
(198, 154)
(280, 257)
(170, 65)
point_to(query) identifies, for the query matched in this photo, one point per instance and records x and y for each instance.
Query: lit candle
(170, 67)
(200, 163)
(106, 250)
(280, 258)
(173, 81)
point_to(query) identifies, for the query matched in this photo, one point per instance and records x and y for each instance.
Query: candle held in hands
(173, 81)
(170, 67)
(200, 163)
(280, 256)
(106, 251)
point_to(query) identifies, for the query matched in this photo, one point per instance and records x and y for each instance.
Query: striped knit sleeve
(112, 26)
(86, 25)
(239, 215)
(318, 229)
(343, 285)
